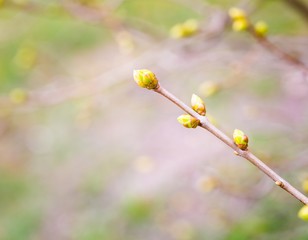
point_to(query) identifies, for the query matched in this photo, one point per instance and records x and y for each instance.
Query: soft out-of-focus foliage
(87, 155)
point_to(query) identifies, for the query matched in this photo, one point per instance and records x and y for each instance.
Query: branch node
(279, 183)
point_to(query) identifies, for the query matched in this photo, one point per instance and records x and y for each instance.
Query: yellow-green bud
(18, 96)
(177, 31)
(261, 28)
(305, 185)
(188, 121)
(198, 105)
(240, 25)
(186, 29)
(237, 13)
(207, 183)
(209, 88)
(240, 139)
(145, 78)
(191, 26)
(303, 213)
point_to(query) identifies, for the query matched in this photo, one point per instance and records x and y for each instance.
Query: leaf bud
(240, 25)
(145, 79)
(209, 88)
(305, 185)
(303, 213)
(237, 13)
(18, 96)
(261, 28)
(186, 29)
(198, 105)
(240, 139)
(188, 121)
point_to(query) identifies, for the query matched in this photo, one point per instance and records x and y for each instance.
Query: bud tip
(198, 105)
(145, 79)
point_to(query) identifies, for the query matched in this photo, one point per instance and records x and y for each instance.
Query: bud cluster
(238, 16)
(240, 22)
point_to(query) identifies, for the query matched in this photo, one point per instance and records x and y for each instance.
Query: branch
(271, 47)
(240, 22)
(147, 79)
(204, 123)
(300, 7)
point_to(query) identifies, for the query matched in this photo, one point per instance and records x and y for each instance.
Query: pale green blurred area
(87, 155)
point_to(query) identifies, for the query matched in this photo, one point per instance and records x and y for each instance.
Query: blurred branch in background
(241, 22)
(56, 92)
(85, 156)
(300, 6)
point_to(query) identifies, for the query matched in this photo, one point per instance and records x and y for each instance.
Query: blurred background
(85, 154)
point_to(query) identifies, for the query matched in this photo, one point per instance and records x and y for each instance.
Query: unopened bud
(186, 29)
(209, 88)
(261, 28)
(191, 26)
(145, 78)
(207, 184)
(240, 25)
(303, 213)
(305, 185)
(237, 13)
(177, 31)
(198, 105)
(18, 96)
(188, 121)
(240, 139)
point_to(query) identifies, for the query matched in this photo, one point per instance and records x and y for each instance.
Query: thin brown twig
(204, 123)
(300, 7)
(271, 47)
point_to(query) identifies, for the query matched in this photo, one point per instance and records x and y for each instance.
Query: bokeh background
(87, 155)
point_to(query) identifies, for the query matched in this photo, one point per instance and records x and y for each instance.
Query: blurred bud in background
(144, 164)
(25, 57)
(125, 42)
(208, 88)
(18, 96)
(181, 30)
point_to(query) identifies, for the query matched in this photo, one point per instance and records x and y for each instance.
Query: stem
(300, 7)
(204, 123)
(278, 52)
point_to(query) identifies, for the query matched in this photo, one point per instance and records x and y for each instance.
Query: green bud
(261, 28)
(18, 96)
(240, 25)
(191, 27)
(240, 139)
(303, 213)
(186, 29)
(188, 121)
(177, 31)
(209, 88)
(237, 13)
(145, 78)
(198, 105)
(305, 185)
